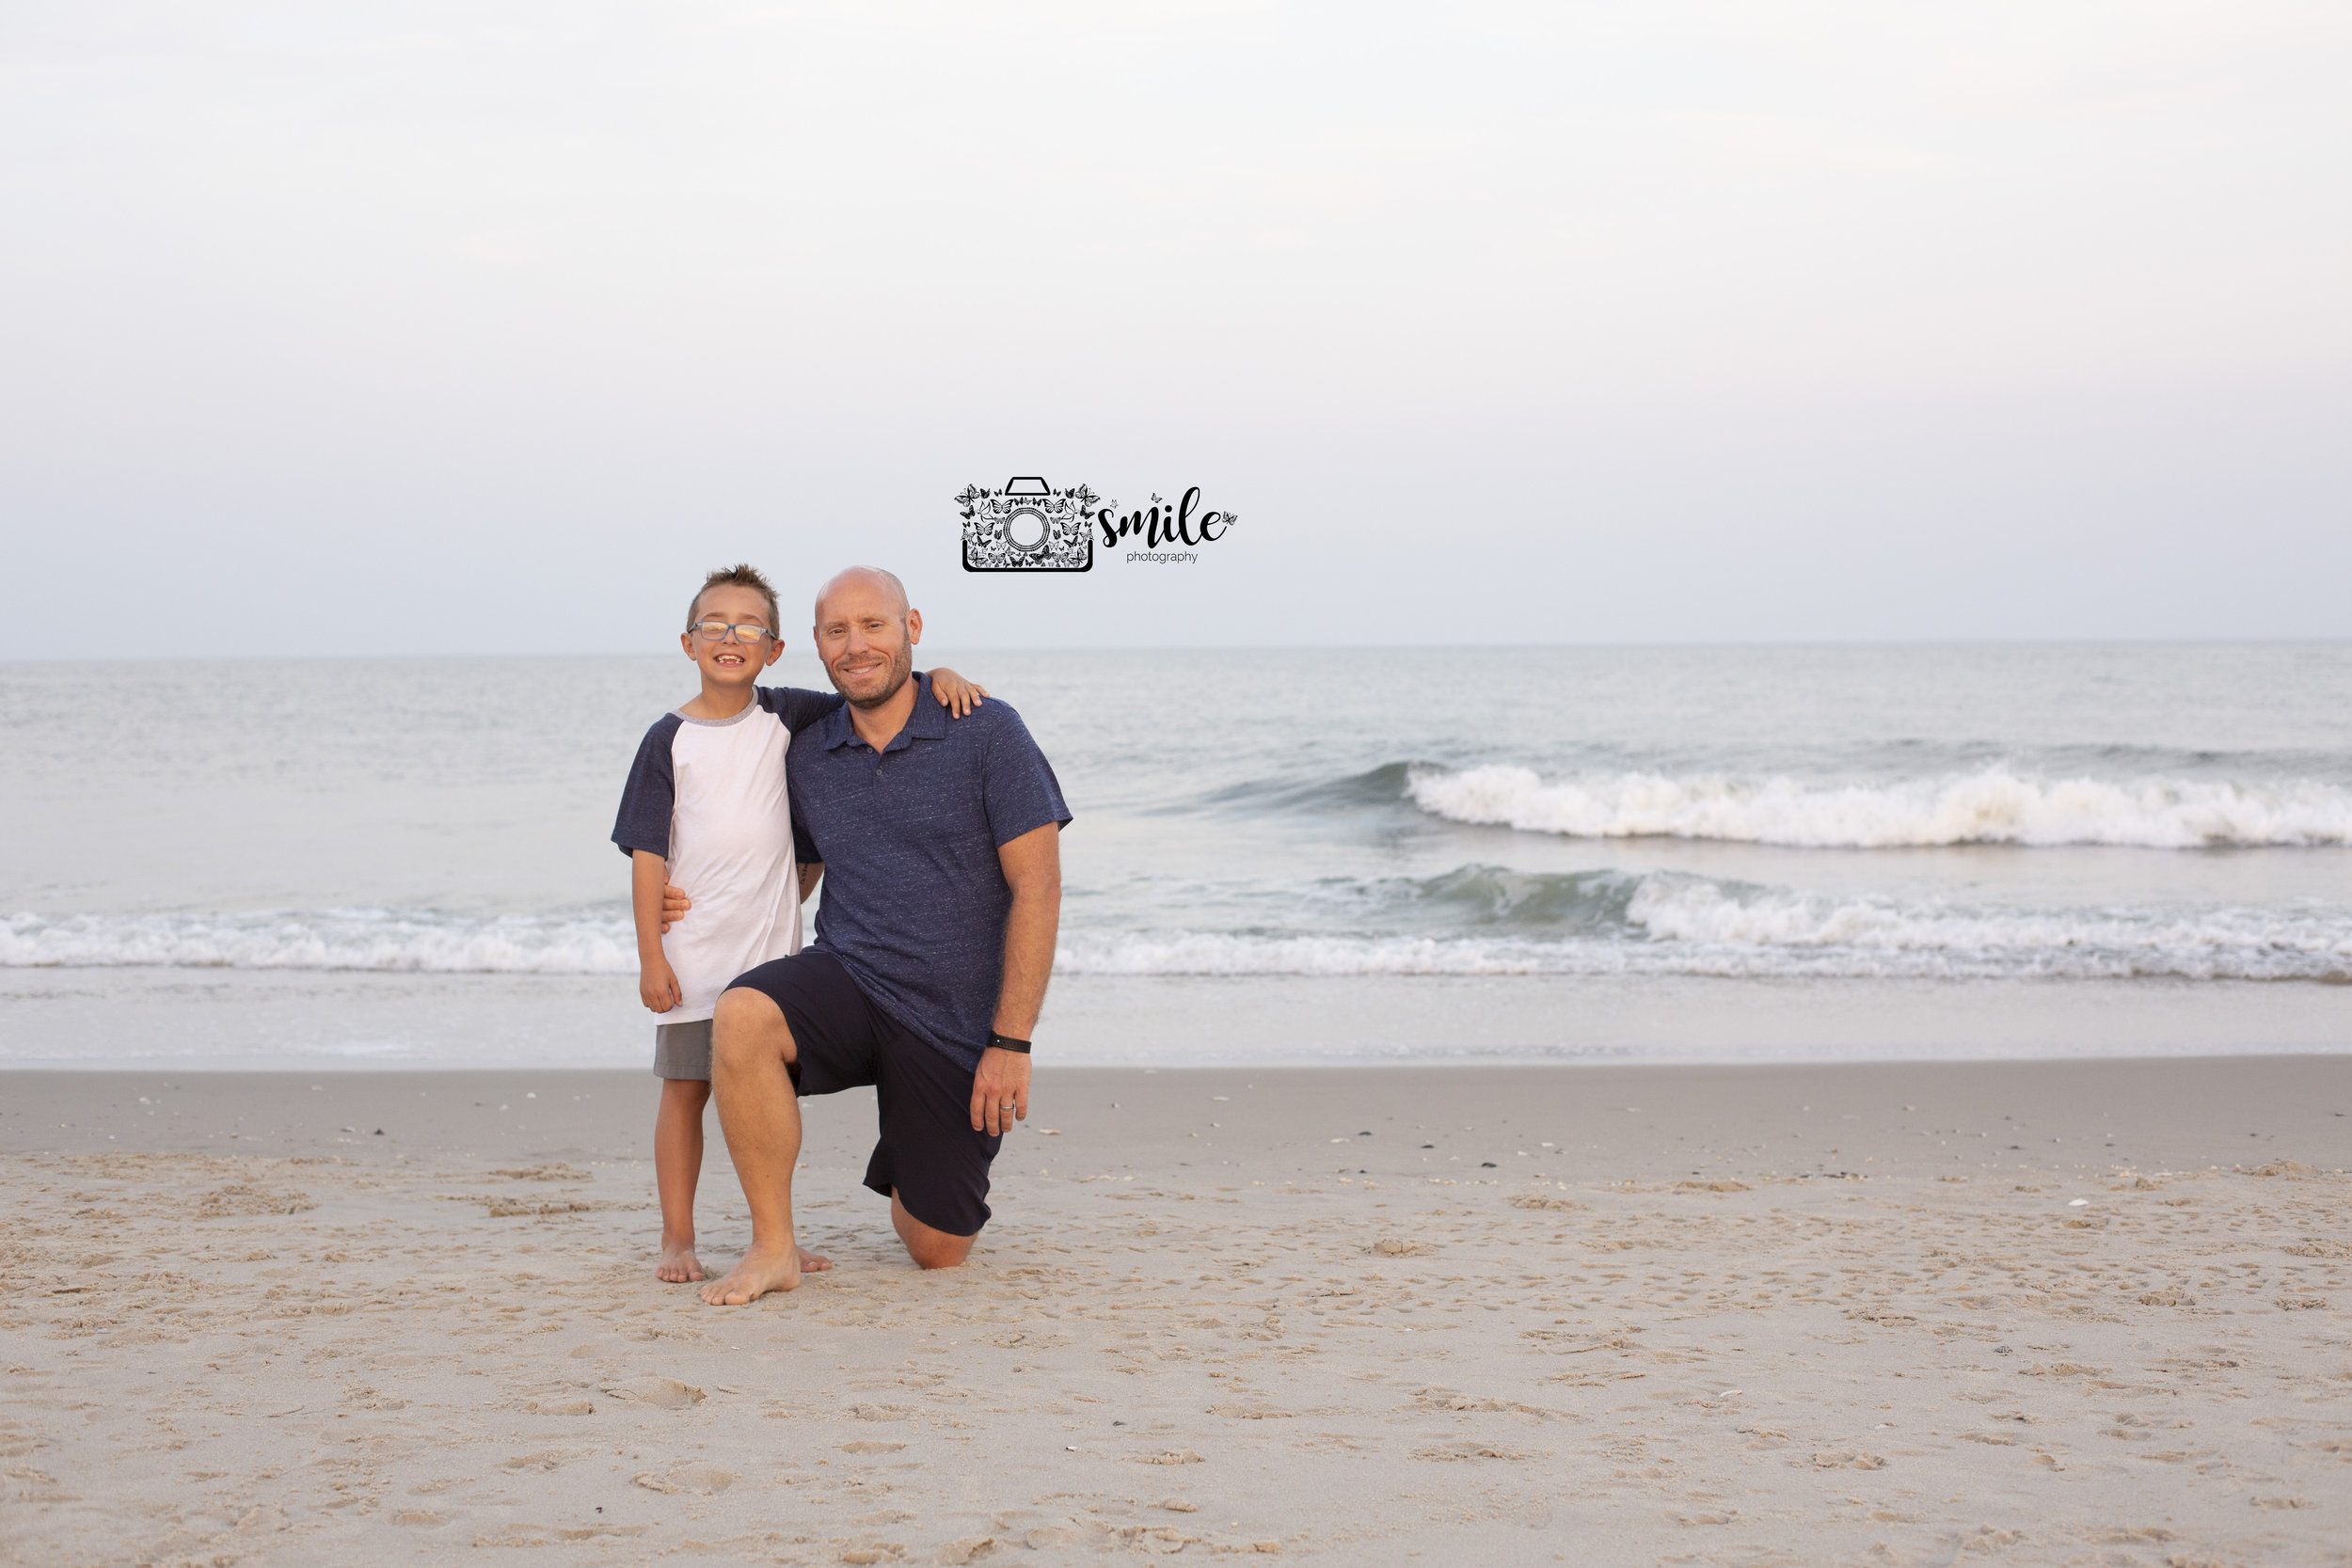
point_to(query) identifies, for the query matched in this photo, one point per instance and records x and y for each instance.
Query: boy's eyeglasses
(749, 631)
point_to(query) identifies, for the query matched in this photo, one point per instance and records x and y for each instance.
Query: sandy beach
(2031, 1313)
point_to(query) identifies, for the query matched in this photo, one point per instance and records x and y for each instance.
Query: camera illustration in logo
(1028, 526)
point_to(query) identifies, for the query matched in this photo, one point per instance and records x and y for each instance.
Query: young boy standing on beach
(705, 807)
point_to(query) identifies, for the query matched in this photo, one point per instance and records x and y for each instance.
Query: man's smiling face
(866, 634)
(733, 660)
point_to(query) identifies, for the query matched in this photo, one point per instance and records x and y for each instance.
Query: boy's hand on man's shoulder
(955, 694)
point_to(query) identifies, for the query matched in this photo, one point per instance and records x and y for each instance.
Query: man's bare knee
(939, 1250)
(747, 1027)
(930, 1248)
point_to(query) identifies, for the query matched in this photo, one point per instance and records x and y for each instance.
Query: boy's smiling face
(733, 660)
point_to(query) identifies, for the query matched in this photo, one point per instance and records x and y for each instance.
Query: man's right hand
(674, 906)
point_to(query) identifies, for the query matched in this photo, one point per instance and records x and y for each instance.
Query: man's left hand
(1000, 1091)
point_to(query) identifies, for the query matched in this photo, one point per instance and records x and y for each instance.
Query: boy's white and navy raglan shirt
(708, 795)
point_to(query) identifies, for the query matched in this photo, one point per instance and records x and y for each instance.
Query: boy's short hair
(742, 575)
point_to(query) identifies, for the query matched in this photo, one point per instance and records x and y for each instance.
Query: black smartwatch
(1006, 1042)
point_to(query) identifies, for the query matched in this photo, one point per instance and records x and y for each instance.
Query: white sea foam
(382, 940)
(1223, 952)
(1689, 925)
(1668, 925)
(1993, 806)
(1778, 931)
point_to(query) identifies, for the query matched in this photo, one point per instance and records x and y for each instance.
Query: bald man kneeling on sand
(940, 844)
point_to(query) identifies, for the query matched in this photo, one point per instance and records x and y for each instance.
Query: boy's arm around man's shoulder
(955, 694)
(797, 708)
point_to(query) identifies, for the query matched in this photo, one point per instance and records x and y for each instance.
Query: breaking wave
(1476, 920)
(1671, 925)
(392, 940)
(1991, 806)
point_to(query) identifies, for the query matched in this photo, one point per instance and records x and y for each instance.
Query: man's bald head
(872, 578)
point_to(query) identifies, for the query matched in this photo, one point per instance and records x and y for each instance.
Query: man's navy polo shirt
(915, 900)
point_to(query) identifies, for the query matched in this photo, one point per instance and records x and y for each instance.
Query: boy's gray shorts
(682, 1050)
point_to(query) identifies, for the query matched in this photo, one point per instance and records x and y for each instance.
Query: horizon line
(994, 647)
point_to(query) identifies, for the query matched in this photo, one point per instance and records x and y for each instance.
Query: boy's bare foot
(763, 1270)
(678, 1265)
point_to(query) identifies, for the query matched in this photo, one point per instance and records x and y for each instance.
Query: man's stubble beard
(901, 667)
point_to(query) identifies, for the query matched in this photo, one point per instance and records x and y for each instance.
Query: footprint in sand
(666, 1393)
(705, 1479)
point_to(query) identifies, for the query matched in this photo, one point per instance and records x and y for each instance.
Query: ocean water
(1324, 854)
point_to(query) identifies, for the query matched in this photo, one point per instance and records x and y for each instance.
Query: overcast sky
(439, 327)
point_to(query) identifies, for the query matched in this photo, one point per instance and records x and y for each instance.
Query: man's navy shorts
(927, 1151)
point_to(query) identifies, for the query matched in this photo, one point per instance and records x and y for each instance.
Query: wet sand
(2061, 1312)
